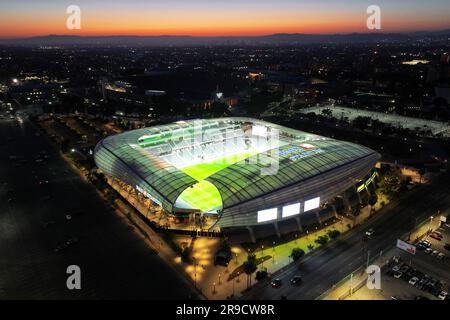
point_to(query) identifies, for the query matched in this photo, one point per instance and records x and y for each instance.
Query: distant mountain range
(273, 39)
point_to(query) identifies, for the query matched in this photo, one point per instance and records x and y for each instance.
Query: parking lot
(423, 276)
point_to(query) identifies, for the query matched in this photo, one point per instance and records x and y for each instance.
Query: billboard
(267, 215)
(312, 204)
(291, 210)
(405, 246)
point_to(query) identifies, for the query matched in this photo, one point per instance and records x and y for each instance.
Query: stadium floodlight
(291, 210)
(267, 215)
(312, 204)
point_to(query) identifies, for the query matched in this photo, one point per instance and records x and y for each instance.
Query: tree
(261, 275)
(250, 267)
(297, 253)
(372, 201)
(327, 113)
(421, 173)
(322, 240)
(361, 122)
(333, 234)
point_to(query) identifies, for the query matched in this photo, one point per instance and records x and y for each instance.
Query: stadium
(235, 172)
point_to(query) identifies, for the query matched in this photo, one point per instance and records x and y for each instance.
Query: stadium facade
(239, 172)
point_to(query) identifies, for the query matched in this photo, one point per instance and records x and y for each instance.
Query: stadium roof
(236, 183)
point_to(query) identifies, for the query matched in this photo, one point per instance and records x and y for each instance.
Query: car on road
(398, 275)
(276, 283)
(413, 281)
(68, 217)
(296, 280)
(72, 241)
(370, 232)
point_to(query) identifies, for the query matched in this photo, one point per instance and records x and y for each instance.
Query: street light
(195, 272)
(219, 279)
(214, 288)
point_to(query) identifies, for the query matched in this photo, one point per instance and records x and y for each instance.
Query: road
(115, 262)
(327, 266)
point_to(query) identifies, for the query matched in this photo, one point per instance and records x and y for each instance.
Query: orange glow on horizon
(206, 23)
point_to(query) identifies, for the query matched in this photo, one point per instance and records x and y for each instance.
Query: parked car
(428, 250)
(443, 295)
(396, 268)
(398, 275)
(413, 281)
(441, 256)
(404, 268)
(423, 281)
(436, 235)
(434, 253)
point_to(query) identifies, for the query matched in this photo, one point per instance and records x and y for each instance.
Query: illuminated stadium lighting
(259, 131)
(267, 215)
(291, 210)
(312, 204)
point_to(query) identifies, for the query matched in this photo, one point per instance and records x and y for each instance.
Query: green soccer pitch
(204, 195)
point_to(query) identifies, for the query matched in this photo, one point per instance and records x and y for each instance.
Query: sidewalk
(215, 282)
(356, 280)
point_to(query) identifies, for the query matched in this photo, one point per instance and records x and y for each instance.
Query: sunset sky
(23, 18)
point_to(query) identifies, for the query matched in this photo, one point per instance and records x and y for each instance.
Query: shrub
(297, 253)
(322, 240)
(333, 234)
(261, 275)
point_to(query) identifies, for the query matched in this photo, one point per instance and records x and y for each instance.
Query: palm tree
(250, 267)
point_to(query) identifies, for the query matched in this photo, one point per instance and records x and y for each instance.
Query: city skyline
(214, 18)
